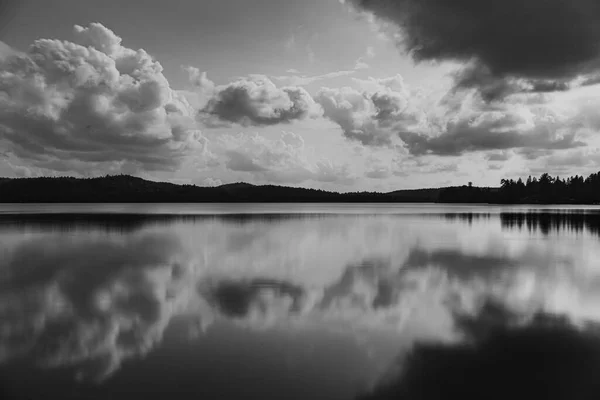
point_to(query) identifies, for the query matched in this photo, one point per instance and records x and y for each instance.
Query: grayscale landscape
(300, 199)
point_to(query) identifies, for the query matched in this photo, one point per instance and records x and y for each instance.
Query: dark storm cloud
(257, 101)
(536, 40)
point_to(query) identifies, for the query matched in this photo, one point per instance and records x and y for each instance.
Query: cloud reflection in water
(94, 299)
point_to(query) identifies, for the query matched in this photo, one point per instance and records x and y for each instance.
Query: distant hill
(129, 189)
(417, 195)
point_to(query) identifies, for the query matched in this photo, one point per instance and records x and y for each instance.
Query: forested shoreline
(543, 190)
(128, 189)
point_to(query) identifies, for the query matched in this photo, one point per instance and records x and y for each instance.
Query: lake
(295, 301)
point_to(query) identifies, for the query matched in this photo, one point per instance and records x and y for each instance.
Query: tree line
(123, 189)
(543, 190)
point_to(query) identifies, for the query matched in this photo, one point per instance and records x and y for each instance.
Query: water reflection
(543, 358)
(236, 298)
(467, 217)
(125, 222)
(96, 295)
(553, 222)
(90, 301)
(543, 221)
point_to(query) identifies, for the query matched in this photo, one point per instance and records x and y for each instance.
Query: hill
(129, 189)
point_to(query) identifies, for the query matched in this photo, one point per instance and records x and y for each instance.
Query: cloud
(199, 79)
(499, 156)
(492, 87)
(564, 162)
(473, 126)
(93, 103)
(372, 115)
(465, 136)
(257, 101)
(361, 64)
(283, 160)
(379, 172)
(535, 41)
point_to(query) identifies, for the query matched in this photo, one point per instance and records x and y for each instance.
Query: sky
(340, 95)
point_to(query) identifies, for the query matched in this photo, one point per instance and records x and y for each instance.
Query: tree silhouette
(545, 190)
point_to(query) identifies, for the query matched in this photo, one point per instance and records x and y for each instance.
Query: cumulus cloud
(373, 115)
(468, 124)
(544, 44)
(257, 101)
(93, 102)
(490, 131)
(283, 160)
(199, 79)
(563, 163)
(382, 111)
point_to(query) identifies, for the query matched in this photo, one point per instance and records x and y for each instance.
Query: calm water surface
(273, 301)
